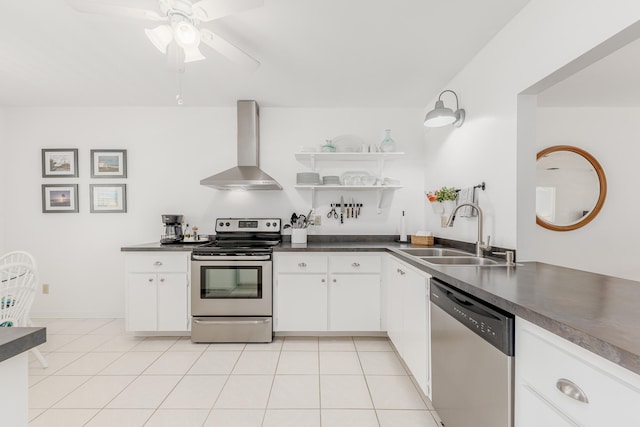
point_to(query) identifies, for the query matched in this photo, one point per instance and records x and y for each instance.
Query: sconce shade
(443, 116)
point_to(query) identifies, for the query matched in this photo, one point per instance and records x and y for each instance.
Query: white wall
(609, 243)
(542, 38)
(3, 179)
(169, 151)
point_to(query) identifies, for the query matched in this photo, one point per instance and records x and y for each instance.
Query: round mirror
(570, 188)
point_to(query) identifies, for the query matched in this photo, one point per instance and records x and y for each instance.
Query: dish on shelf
(348, 143)
(389, 181)
(308, 178)
(353, 177)
(369, 180)
(331, 180)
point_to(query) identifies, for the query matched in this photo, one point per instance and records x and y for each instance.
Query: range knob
(275, 224)
(269, 224)
(221, 224)
(227, 224)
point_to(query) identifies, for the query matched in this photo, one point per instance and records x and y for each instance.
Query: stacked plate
(308, 178)
(331, 180)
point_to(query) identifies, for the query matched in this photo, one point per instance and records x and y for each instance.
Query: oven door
(231, 288)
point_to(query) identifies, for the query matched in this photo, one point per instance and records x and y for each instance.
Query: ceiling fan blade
(136, 9)
(231, 52)
(193, 54)
(208, 10)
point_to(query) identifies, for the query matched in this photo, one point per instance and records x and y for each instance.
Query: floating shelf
(380, 189)
(379, 157)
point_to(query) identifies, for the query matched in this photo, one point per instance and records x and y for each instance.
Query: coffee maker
(172, 228)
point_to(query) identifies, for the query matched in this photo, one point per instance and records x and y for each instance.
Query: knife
(341, 210)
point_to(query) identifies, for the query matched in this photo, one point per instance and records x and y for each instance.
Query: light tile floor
(99, 375)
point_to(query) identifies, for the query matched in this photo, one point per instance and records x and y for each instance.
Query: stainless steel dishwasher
(472, 348)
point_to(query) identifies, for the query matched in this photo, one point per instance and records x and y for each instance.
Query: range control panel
(253, 225)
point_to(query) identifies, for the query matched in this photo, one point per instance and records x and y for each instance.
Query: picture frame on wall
(108, 163)
(60, 198)
(108, 198)
(59, 162)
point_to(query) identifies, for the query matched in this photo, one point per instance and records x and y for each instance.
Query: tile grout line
(375, 410)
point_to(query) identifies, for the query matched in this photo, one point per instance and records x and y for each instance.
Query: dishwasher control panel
(489, 322)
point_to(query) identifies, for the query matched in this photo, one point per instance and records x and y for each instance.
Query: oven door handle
(229, 322)
(231, 258)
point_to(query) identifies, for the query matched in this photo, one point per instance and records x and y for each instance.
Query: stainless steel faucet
(480, 245)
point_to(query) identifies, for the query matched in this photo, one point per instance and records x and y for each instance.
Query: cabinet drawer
(302, 263)
(355, 263)
(157, 262)
(543, 360)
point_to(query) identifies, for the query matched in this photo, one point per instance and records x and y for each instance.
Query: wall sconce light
(442, 116)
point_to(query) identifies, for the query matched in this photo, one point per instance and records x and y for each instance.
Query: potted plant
(442, 200)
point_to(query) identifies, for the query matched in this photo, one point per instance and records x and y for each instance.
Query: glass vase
(388, 144)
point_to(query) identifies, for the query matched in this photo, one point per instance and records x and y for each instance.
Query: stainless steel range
(232, 282)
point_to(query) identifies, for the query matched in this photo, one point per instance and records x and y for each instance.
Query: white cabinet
(157, 291)
(408, 318)
(354, 302)
(558, 383)
(301, 302)
(317, 292)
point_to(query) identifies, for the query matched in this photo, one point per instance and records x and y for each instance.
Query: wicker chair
(18, 281)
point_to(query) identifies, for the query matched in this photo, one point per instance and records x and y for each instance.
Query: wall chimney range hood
(247, 175)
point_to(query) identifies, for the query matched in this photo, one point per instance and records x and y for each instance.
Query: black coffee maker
(172, 228)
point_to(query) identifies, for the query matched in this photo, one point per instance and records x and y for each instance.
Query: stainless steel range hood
(247, 175)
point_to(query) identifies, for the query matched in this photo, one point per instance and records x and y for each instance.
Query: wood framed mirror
(570, 188)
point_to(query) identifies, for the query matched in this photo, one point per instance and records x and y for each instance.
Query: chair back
(18, 257)
(18, 283)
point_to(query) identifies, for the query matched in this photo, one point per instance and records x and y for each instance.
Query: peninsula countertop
(16, 340)
(597, 312)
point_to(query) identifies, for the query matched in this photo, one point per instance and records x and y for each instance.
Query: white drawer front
(157, 262)
(355, 263)
(302, 263)
(542, 363)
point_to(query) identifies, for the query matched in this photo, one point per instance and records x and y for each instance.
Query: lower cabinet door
(141, 302)
(354, 302)
(301, 302)
(173, 294)
(533, 411)
(416, 328)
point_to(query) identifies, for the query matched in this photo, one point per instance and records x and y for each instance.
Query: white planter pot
(299, 235)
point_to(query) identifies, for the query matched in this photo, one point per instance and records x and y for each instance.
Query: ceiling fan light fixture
(186, 34)
(193, 54)
(160, 37)
(443, 116)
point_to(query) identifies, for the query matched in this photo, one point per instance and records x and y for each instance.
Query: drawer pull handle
(355, 264)
(322, 280)
(162, 280)
(150, 279)
(569, 388)
(157, 263)
(302, 264)
(335, 281)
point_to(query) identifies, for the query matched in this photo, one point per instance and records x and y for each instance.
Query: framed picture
(108, 163)
(108, 198)
(59, 162)
(59, 198)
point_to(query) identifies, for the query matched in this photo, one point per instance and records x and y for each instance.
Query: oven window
(231, 282)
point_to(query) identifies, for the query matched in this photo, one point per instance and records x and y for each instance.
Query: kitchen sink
(438, 252)
(459, 260)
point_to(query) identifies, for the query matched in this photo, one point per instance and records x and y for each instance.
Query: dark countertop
(597, 312)
(16, 340)
(158, 247)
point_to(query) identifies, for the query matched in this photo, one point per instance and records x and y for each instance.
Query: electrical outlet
(45, 288)
(317, 220)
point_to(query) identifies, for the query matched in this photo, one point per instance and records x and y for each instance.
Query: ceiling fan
(180, 32)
